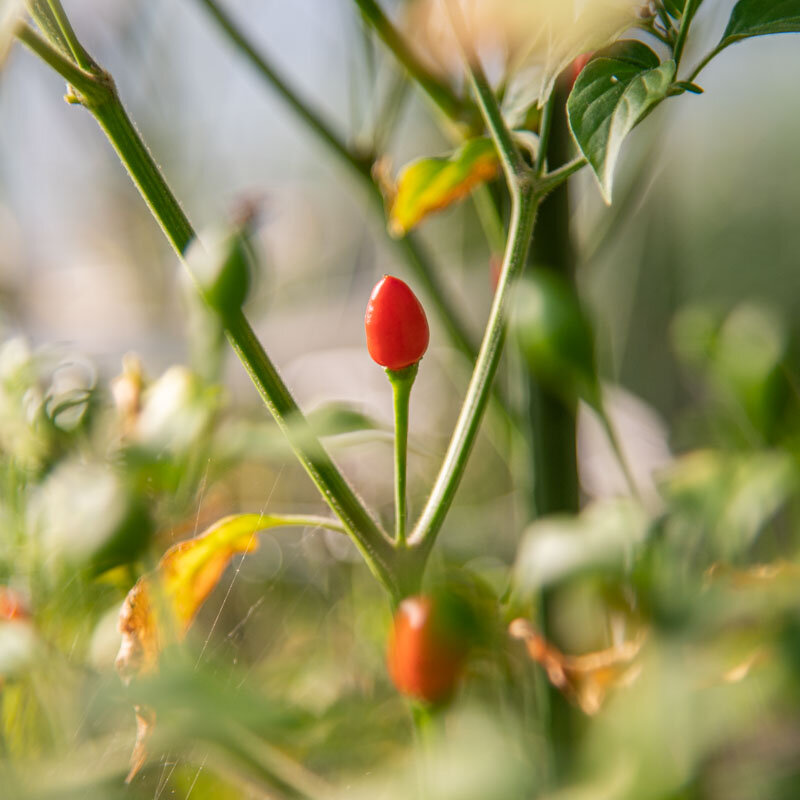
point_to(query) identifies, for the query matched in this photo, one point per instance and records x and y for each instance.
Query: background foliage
(279, 688)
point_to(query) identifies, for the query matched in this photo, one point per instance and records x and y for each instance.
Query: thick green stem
(552, 422)
(525, 202)
(466, 429)
(98, 95)
(402, 381)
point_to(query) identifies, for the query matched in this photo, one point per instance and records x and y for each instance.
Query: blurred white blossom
(175, 412)
(78, 509)
(534, 39)
(10, 13)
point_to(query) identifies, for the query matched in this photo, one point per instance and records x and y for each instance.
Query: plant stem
(82, 58)
(545, 125)
(84, 81)
(100, 98)
(552, 180)
(313, 120)
(408, 246)
(704, 63)
(442, 95)
(686, 22)
(552, 422)
(516, 171)
(402, 381)
(525, 202)
(371, 541)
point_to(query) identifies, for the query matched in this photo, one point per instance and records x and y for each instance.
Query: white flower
(535, 38)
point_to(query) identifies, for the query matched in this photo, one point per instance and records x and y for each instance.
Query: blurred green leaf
(336, 419)
(727, 499)
(555, 336)
(472, 757)
(611, 95)
(604, 536)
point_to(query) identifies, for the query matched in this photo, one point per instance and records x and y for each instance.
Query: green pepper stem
(402, 380)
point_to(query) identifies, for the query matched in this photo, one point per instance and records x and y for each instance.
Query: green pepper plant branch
(93, 88)
(397, 564)
(398, 567)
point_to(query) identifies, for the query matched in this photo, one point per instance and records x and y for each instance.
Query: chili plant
(570, 83)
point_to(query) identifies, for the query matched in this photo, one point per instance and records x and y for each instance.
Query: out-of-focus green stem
(408, 247)
(552, 421)
(359, 163)
(442, 95)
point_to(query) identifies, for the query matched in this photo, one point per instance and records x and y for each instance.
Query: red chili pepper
(425, 658)
(12, 605)
(576, 68)
(396, 326)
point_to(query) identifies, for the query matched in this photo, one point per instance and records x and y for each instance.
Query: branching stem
(98, 94)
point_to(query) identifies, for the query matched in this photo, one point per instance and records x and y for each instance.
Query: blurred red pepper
(426, 655)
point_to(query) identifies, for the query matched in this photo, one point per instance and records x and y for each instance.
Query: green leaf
(431, 184)
(631, 51)
(555, 336)
(761, 17)
(611, 96)
(687, 86)
(603, 537)
(337, 418)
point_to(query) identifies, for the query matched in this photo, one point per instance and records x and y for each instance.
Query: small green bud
(223, 264)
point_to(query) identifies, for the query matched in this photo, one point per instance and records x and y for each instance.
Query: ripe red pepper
(396, 326)
(576, 67)
(12, 605)
(425, 655)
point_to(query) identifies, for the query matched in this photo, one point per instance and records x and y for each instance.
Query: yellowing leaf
(190, 570)
(186, 575)
(584, 679)
(138, 651)
(162, 604)
(431, 184)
